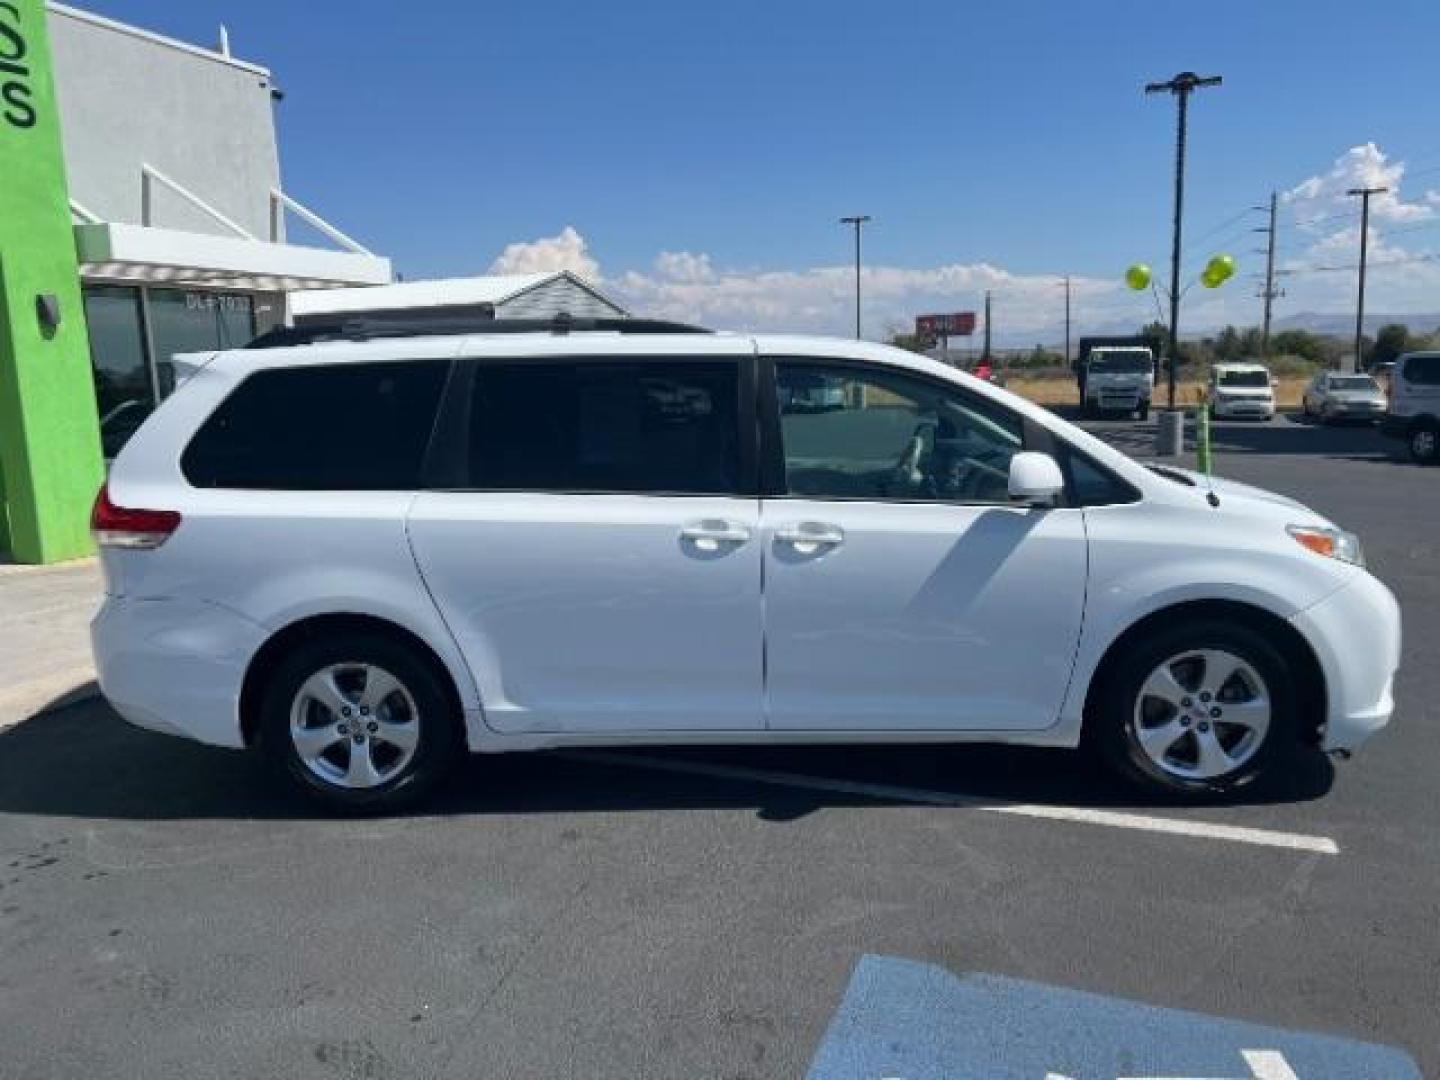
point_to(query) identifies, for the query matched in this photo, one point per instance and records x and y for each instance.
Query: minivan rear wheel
(360, 721)
(1424, 443)
(1200, 708)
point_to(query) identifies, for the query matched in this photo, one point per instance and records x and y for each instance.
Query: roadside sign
(904, 1020)
(949, 324)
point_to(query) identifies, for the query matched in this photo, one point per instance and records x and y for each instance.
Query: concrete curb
(11, 569)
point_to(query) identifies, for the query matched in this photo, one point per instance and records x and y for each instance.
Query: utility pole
(857, 221)
(1364, 194)
(1067, 318)
(1180, 87)
(1269, 293)
(985, 356)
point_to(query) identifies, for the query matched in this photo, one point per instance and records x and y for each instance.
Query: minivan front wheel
(1200, 708)
(360, 721)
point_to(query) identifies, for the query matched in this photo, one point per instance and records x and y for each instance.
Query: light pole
(1181, 87)
(1067, 318)
(857, 221)
(1364, 194)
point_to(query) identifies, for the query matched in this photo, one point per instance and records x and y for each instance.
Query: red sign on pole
(950, 324)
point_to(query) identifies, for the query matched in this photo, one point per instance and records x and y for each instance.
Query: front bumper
(1257, 410)
(1355, 633)
(175, 666)
(1356, 410)
(1118, 401)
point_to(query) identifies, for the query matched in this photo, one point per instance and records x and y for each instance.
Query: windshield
(1243, 378)
(1354, 382)
(1120, 363)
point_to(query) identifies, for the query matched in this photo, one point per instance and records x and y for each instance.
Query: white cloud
(568, 251)
(1027, 308)
(1362, 166)
(684, 266)
(1319, 247)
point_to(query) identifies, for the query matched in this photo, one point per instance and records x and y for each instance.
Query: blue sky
(1006, 143)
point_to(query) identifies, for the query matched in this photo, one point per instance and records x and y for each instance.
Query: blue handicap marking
(903, 1020)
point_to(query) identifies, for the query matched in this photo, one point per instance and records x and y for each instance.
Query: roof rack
(370, 328)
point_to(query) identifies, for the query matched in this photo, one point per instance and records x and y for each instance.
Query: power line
(1327, 217)
(1224, 224)
(1384, 264)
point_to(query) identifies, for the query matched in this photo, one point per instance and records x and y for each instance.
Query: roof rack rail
(369, 328)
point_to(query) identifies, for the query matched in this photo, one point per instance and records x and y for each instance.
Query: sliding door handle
(807, 536)
(710, 533)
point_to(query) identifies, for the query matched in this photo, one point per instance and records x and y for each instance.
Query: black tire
(439, 728)
(1423, 441)
(1111, 724)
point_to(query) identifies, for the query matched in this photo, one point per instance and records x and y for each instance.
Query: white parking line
(1114, 819)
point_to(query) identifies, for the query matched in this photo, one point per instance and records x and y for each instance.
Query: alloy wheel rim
(1201, 714)
(1423, 443)
(354, 725)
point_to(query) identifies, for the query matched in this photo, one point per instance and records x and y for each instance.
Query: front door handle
(710, 533)
(808, 537)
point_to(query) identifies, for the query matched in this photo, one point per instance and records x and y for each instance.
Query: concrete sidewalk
(44, 636)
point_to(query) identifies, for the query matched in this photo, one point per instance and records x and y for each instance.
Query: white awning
(142, 255)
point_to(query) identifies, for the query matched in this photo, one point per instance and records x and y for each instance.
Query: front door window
(851, 433)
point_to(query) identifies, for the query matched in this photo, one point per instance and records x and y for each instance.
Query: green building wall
(50, 460)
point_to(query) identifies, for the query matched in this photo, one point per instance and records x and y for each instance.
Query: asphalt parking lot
(165, 911)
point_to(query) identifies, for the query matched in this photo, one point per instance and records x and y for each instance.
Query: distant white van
(1241, 391)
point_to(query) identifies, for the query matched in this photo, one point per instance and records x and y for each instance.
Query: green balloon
(1138, 277)
(1210, 279)
(1220, 267)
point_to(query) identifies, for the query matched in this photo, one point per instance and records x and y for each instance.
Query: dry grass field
(1060, 390)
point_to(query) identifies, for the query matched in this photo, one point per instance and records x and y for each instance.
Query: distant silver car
(1333, 396)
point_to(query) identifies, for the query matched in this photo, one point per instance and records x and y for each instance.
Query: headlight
(1332, 543)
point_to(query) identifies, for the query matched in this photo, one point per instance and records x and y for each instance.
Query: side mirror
(1035, 479)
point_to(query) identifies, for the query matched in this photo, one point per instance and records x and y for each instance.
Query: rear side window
(341, 427)
(658, 427)
(1423, 370)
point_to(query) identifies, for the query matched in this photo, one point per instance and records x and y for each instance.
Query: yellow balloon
(1210, 279)
(1138, 277)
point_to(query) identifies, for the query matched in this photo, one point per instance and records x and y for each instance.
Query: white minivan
(364, 549)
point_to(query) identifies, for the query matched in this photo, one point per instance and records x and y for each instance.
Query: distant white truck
(1117, 378)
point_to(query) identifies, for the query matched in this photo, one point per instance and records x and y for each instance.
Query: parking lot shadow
(84, 761)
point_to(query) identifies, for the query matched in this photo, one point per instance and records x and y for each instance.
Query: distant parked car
(1242, 391)
(1414, 413)
(1333, 396)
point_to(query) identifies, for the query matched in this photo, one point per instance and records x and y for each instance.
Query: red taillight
(123, 527)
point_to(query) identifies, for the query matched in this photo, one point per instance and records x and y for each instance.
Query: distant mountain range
(1339, 323)
(1326, 322)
